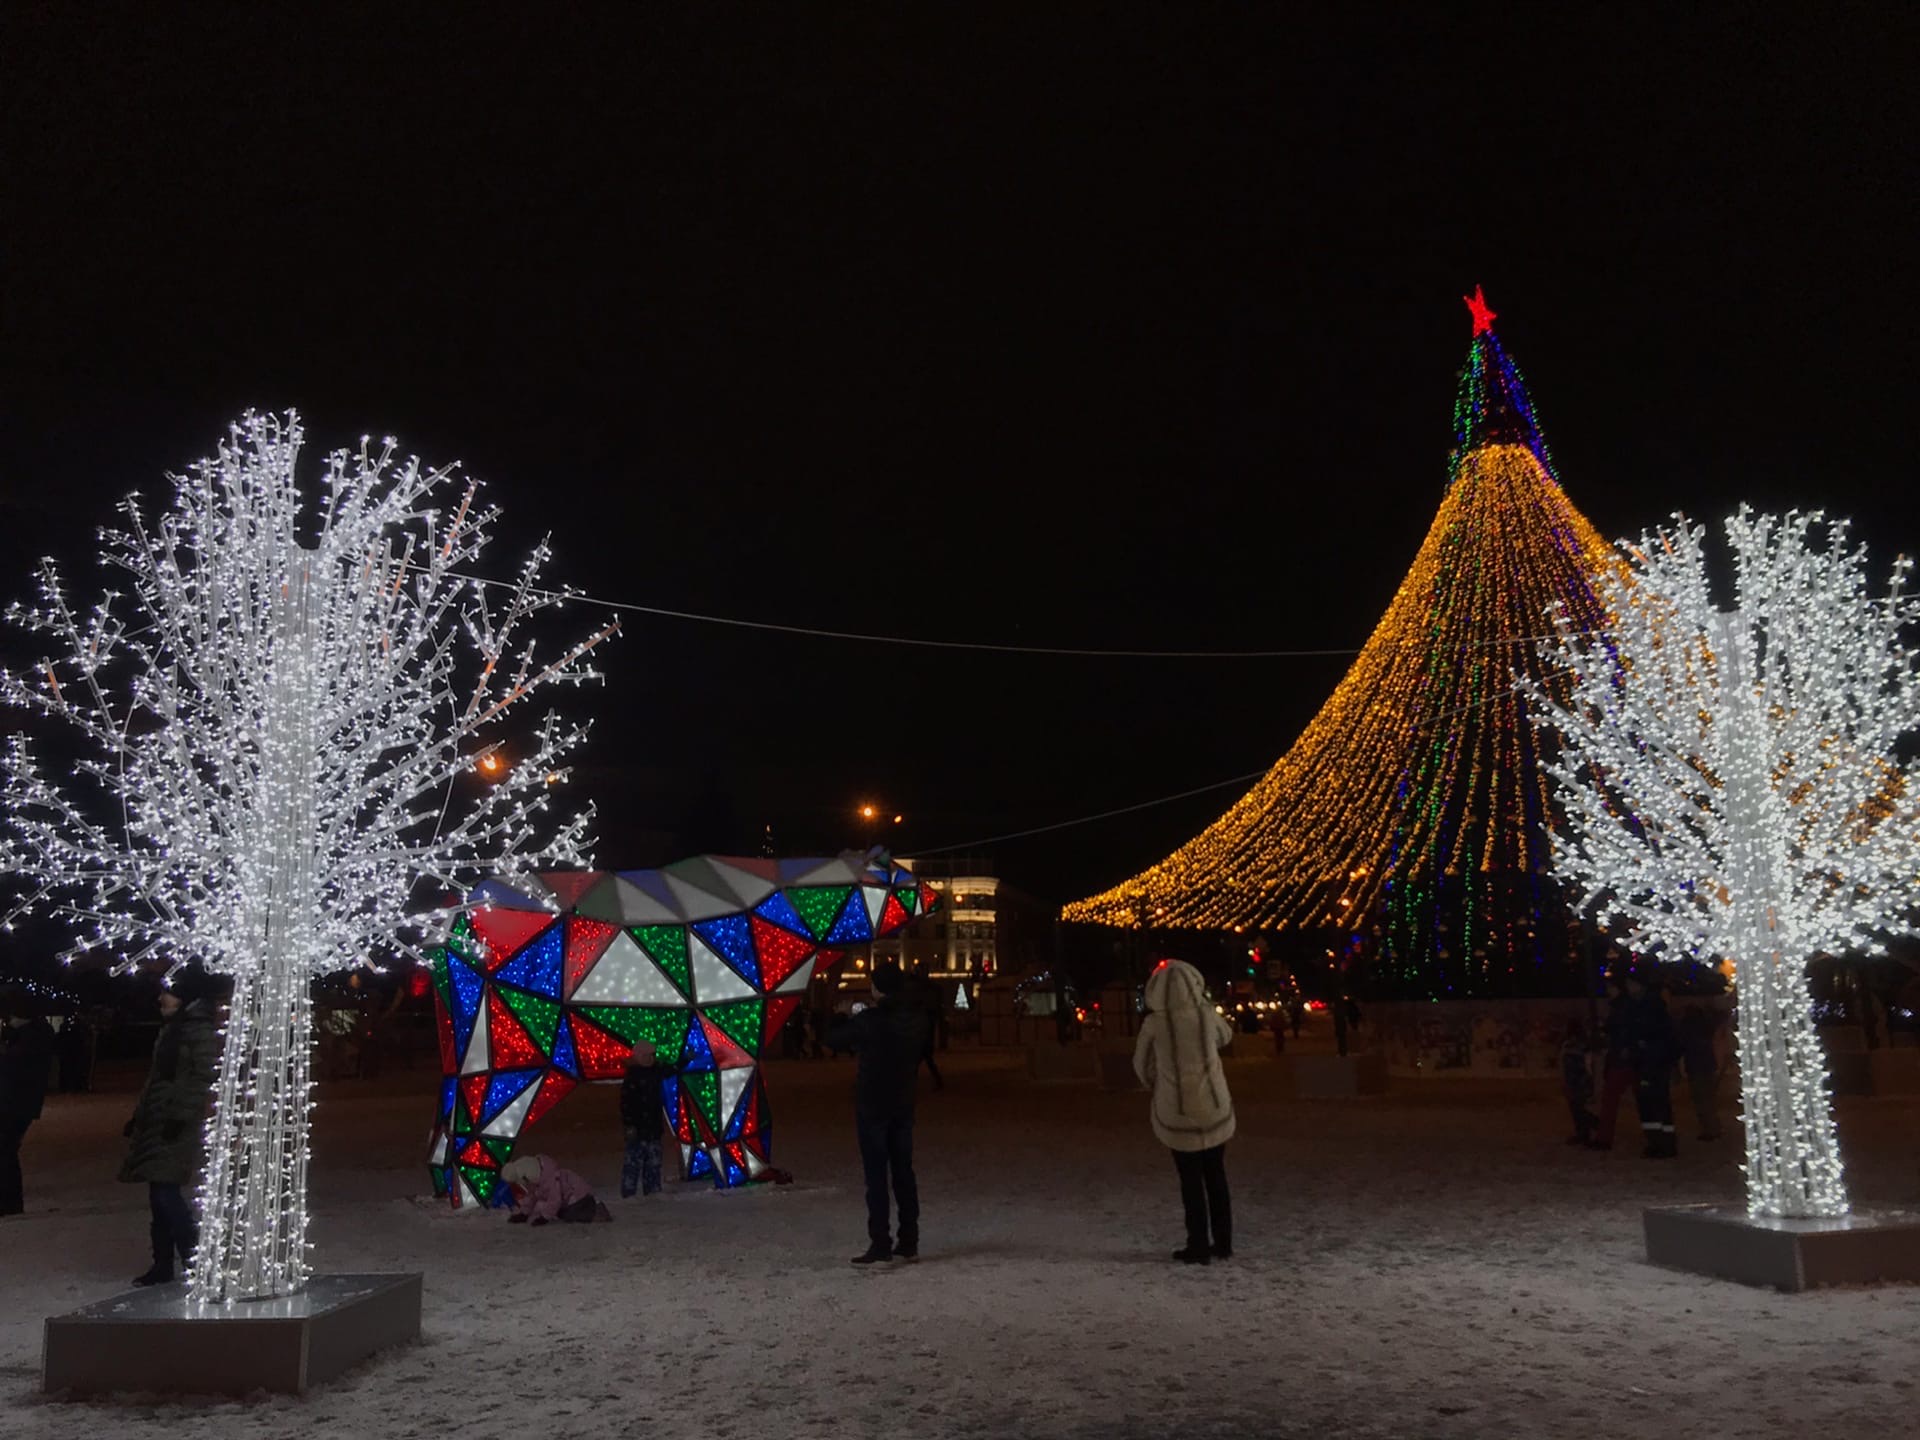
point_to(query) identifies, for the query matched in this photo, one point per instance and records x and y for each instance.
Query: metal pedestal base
(1862, 1249)
(156, 1339)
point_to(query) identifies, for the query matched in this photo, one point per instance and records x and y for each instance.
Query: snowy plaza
(1432, 1262)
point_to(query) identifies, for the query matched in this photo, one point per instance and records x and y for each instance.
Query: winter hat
(886, 978)
(641, 1054)
(190, 983)
(523, 1171)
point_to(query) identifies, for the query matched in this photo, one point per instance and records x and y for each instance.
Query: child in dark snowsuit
(1576, 1082)
(641, 1119)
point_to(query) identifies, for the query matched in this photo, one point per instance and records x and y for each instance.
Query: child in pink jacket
(543, 1191)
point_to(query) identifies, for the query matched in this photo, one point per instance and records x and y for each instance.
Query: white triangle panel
(713, 979)
(733, 1085)
(797, 980)
(637, 907)
(751, 888)
(508, 1122)
(695, 903)
(625, 975)
(876, 902)
(476, 1057)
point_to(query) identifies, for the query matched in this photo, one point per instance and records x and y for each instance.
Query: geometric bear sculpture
(548, 980)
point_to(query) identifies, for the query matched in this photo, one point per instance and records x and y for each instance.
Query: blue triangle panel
(739, 1120)
(698, 1055)
(563, 1057)
(670, 1098)
(735, 1175)
(701, 1164)
(466, 984)
(540, 964)
(446, 1101)
(731, 936)
(778, 909)
(853, 926)
(503, 1090)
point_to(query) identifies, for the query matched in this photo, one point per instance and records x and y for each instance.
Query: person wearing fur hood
(1178, 1058)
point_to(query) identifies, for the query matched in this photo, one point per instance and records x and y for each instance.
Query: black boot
(873, 1255)
(1193, 1255)
(155, 1275)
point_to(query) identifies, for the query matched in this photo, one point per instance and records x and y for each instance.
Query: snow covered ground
(1434, 1263)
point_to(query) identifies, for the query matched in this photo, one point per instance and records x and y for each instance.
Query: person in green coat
(165, 1132)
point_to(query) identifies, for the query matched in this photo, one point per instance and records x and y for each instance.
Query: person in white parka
(1178, 1058)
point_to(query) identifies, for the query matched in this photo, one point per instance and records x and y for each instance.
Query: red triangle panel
(505, 931)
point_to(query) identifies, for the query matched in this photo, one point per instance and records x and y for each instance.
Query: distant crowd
(1639, 1048)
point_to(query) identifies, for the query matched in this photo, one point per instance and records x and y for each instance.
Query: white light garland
(278, 750)
(1731, 788)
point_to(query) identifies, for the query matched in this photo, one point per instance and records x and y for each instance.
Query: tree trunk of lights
(253, 1199)
(1793, 1153)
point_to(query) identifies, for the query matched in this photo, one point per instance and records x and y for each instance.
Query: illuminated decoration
(1731, 791)
(553, 978)
(1413, 804)
(281, 745)
(1483, 313)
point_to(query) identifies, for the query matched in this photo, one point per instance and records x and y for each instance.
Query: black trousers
(1653, 1096)
(173, 1228)
(1203, 1192)
(12, 1192)
(1584, 1120)
(886, 1151)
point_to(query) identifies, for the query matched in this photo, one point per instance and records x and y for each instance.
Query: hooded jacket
(164, 1138)
(548, 1188)
(1178, 1058)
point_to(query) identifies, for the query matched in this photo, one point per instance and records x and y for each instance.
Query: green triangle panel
(704, 1087)
(440, 984)
(633, 1022)
(463, 942)
(667, 1029)
(499, 1149)
(540, 1015)
(741, 1020)
(819, 906)
(667, 944)
(462, 1117)
(909, 899)
(482, 1181)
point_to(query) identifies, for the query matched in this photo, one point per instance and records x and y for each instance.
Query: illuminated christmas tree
(282, 722)
(1733, 790)
(1412, 815)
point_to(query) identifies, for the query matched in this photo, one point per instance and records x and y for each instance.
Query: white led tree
(1732, 790)
(281, 719)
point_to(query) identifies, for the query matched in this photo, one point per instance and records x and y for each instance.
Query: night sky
(1123, 325)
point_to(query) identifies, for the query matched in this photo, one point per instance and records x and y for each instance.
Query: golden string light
(1413, 803)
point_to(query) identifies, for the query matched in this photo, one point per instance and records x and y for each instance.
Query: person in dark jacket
(1656, 1049)
(1702, 1066)
(1576, 1082)
(641, 1118)
(1616, 1064)
(888, 1039)
(164, 1134)
(26, 1054)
